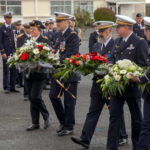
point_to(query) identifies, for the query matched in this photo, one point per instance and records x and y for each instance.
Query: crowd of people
(133, 43)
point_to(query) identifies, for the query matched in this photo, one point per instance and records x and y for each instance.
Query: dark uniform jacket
(92, 40)
(136, 50)
(138, 31)
(37, 75)
(51, 36)
(102, 50)
(7, 41)
(68, 44)
(21, 39)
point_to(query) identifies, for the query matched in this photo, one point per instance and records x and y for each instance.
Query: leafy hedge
(105, 14)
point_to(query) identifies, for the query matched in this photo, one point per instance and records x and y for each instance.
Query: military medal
(62, 46)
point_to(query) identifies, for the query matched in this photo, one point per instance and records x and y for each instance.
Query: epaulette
(45, 37)
(20, 35)
(73, 33)
(142, 39)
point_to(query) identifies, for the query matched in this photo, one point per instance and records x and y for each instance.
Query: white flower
(129, 75)
(123, 71)
(46, 48)
(36, 51)
(116, 68)
(132, 67)
(16, 57)
(124, 64)
(107, 78)
(117, 77)
(137, 73)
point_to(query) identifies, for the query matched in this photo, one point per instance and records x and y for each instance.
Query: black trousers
(64, 112)
(144, 139)
(116, 111)
(37, 105)
(26, 91)
(96, 107)
(9, 76)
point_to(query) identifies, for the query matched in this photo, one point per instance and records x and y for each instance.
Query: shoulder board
(73, 33)
(20, 35)
(45, 37)
(142, 39)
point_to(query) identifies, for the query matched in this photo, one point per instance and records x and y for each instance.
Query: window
(10, 5)
(65, 5)
(61, 6)
(86, 5)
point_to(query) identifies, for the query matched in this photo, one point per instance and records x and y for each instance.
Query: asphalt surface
(15, 118)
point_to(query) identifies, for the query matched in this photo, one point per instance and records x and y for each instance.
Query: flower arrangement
(81, 63)
(31, 53)
(119, 77)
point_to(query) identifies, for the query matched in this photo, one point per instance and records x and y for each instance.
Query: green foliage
(1, 23)
(105, 14)
(83, 18)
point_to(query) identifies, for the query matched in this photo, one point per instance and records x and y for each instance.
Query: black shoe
(80, 142)
(61, 127)
(14, 91)
(33, 127)
(46, 124)
(65, 132)
(123, 142)
(6, 91)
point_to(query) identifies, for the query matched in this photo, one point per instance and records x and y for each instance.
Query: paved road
(15, 117)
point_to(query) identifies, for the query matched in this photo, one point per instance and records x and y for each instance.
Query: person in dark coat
(7, 48)
(93, 39)
(127, 46)
(138, 28)
(67, 44)
(21, 40)
(144, 138)
(36, 82)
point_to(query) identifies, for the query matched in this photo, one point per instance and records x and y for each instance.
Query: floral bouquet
(119, 77)
(80, 63)
(33, 55)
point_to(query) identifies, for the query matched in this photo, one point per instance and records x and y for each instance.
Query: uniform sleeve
(91, 41)
(111, 59)
(72, 46)
(142, 54)
(146, 77)
(2, 50)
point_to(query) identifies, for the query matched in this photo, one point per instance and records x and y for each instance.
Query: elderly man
(97, 101)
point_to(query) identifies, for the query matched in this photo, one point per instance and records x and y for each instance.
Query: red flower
(24, 56)
(71, 61)
(84, 57)
(77, 55)
(77, 62)
(93, 54)
(40, 47)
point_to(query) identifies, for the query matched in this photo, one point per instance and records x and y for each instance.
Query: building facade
(27, 10)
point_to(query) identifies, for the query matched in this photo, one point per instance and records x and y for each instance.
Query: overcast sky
(148, 1)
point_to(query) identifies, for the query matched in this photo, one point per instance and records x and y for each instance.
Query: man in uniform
(138, 28)
(127, 46)
(19, 78)
(7, 48)
(93, 38)
(97, 101)
(144, 139)
(68, 45)
(73, 27)
(21, 40)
